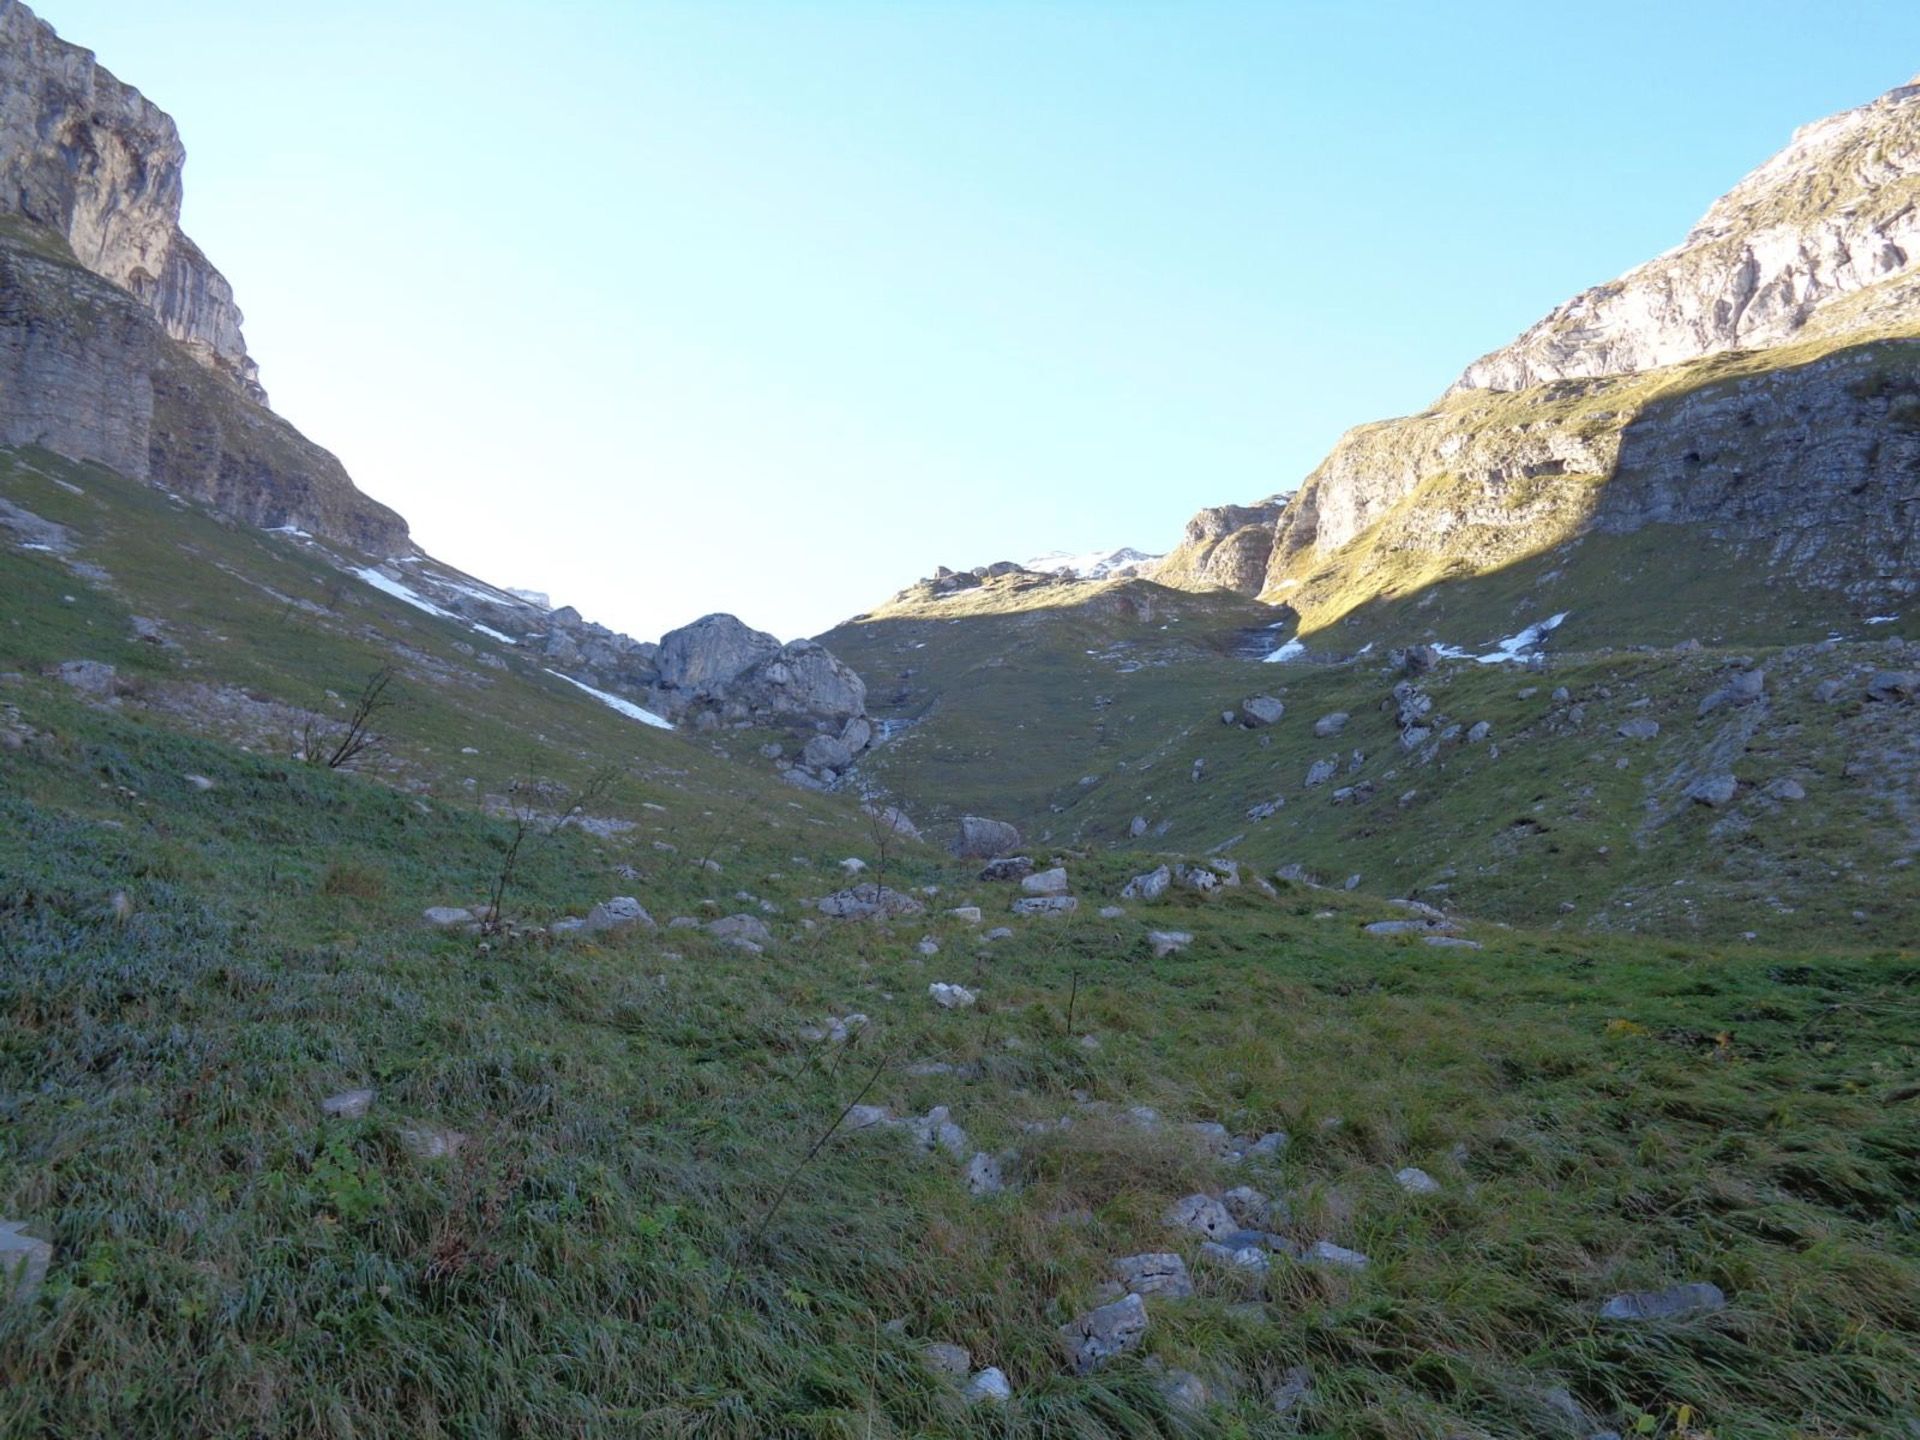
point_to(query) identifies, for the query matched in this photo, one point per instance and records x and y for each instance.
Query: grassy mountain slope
(593, 1260)
(203, 941)
(1556, 820)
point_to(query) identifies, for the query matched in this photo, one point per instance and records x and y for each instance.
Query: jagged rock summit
(1758, 385)
(1833, 214)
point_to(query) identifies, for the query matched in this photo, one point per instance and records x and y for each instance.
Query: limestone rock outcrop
(119, 343)
(97, 163)
(1225, 547)
(1835, 212)
(1759, 383)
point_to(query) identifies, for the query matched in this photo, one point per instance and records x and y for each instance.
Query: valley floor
(584, 1197)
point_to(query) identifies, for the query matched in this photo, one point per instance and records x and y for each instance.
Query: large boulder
(1259, 710)
(705, 657)
(979, 838)
(804, 680)
(730, 672)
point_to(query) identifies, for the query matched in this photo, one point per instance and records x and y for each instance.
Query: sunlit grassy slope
(1061, 722)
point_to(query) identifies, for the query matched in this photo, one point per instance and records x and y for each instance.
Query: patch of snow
(1881, 619)
(30, 545)
(1519, 647)
(1091, 564)
(389, 586)
(294, 530)
(1292, 650)
(615, 702)
(539, 599)
(1514, 649)
(493, 634)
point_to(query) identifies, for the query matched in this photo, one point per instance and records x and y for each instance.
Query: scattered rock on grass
(1166, 942)
(423, 1142)
(1416, 1181)
(1695, 1298)
(1104, 1332)
(1325, 1252)
(348, 1104)
(951, 997)
(1202, 1214)
(23, 1263)
(1154, 1273)
(943, 1358)
(1150, 886)
(988, 1387)
(1713, 791)
(745, 931)
(617, 914)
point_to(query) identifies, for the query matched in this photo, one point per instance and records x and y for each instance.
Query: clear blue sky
(771, 308)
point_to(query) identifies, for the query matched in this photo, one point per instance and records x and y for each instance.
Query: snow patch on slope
(615, 702)
(387, 585)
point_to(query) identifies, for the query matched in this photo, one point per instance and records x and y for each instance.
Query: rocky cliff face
(1836, 211)
(1756, 382)
(119, 343)
(1225, 547)
(94, 161)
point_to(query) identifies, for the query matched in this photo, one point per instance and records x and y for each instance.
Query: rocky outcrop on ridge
(1760, 382)
(1835, 212)
(1225, 547)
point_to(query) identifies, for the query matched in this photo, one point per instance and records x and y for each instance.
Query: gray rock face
(1101, 1334)
(944, 1359)
(988, 1386)
(98, 164)
(1150, 886)
(706, 656)
(89, 677)
(1894, 685)
(826, 752)
(1713, 791)
(1674, 1302)
(741, 930)
(979, 838)
(1167, 942)
(1046, 905)
(348, 1104)
(984, 1176)
(1320, 772)
(119, 342)
(1046, 882)
(1742, 689)
(720, 667)
(867, 902)
(1640, 728)
(1259, 710)
(1155, 1273)
(1226, 547)
(617, 914)
(1202, 1213)
(1330, 725)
